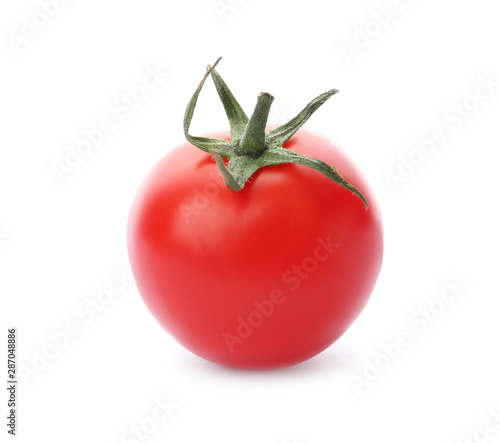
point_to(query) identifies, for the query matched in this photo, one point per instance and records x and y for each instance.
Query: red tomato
(260, 278)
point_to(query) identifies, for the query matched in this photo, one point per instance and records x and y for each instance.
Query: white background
(60, 241)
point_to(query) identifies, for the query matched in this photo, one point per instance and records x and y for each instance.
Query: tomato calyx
(250, 147)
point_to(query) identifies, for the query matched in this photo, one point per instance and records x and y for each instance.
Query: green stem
(253, 141)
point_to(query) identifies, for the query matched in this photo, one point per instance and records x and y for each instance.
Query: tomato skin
(206, 258)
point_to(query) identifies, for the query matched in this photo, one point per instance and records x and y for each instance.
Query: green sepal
(250, 148)
(237, 118)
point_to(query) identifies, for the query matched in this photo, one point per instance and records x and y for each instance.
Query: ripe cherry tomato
(263, 277)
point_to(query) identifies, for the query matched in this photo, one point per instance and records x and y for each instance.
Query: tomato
(259, 278)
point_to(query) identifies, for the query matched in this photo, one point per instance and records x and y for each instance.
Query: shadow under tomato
(333, 361)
